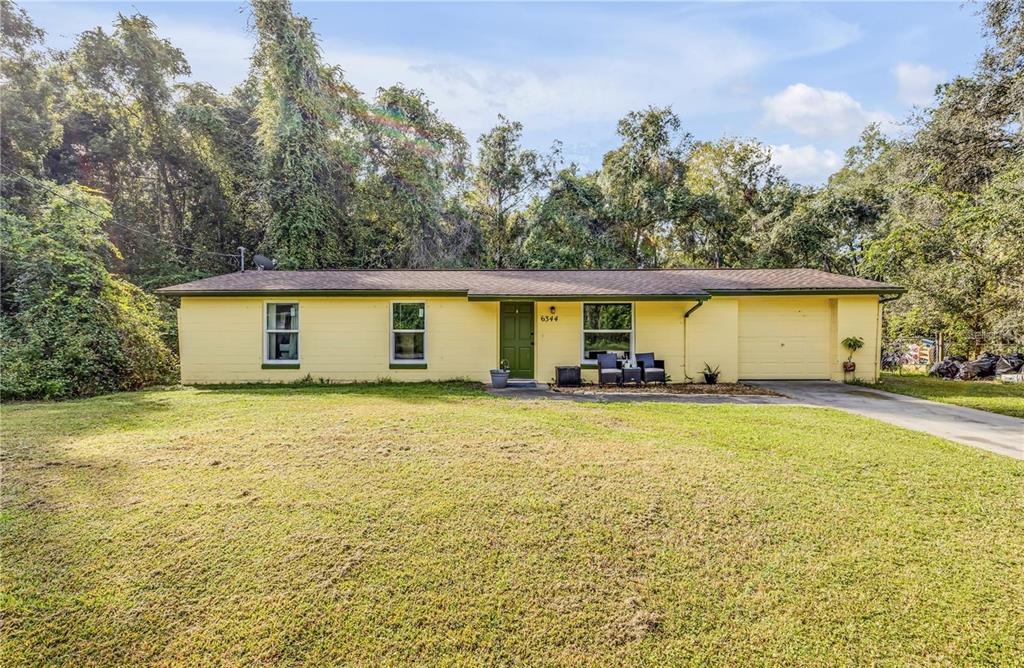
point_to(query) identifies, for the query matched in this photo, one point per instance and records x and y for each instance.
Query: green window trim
(395, 365)
(401, 326)
(280, 366)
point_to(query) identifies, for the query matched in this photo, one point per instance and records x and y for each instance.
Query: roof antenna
(264, 263)
(241, 250)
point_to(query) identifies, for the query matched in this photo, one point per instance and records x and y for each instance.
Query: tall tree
(123, 136)
(831, 227)
(569, 227)
(29, 126)
(309, 170)
(504, 180)
(643, 181)
(735, 190)
(406, 196)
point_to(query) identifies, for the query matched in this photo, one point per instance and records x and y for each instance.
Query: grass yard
(991, 396)
(427, 524)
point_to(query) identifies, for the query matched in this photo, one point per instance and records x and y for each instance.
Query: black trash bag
(967, 372)
(983, 367)
(947, 368)
(1011, 363)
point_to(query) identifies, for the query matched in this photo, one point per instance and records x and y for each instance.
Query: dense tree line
(118, 177)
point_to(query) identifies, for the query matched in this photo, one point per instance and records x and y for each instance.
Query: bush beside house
(69, 327)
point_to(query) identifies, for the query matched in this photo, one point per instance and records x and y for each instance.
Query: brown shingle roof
(489, 284)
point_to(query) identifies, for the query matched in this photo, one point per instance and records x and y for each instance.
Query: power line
(100, 216)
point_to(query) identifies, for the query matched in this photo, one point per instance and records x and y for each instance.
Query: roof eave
(806, 291)
(171, 292)
(590, 297)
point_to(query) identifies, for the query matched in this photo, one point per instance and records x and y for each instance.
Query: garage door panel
(783, 338)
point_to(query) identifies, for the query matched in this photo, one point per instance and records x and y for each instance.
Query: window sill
(286, 365)
(399, 365)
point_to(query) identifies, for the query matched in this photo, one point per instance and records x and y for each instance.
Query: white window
(607, 328)
(281, 334)
(408, 333)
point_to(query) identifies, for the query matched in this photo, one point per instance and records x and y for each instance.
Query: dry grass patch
(435, 524)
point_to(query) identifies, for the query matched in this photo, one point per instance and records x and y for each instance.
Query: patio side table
(634, 375)
(567, 376)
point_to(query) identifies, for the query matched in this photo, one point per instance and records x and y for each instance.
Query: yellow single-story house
(414, 325)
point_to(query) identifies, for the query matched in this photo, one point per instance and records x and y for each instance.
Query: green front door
(517, 338)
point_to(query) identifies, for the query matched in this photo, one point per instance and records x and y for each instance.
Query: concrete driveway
(989, 431)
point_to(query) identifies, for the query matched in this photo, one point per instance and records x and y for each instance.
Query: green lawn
(426, 524)
(1005, 398)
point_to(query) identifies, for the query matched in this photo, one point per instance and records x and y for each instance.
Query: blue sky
(802, 77)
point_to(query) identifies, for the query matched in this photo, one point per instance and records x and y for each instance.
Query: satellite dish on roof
(264, 263)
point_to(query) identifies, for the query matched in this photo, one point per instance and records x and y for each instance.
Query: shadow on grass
(422, 391)
(47, 422)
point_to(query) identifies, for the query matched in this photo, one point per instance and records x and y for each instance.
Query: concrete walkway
(541, 391)
(1001, 434)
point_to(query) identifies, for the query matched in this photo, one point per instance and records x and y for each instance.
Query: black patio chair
(653, 370)
(608, 370)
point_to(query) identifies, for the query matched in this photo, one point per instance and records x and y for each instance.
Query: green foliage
(406, 216)
(644, 183)
(297, 164)
(28, 126)
(571, 228)
(307, 171)
(734, 192)
(505, 177)
(853, 344)
(69, 327)
(829, 227)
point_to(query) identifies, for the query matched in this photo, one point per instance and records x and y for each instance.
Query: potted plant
(710, 375)
(499, 376)
(853, 344)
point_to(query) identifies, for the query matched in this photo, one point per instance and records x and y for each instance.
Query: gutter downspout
(686, 335)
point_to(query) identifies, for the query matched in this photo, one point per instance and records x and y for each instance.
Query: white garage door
(785, 338)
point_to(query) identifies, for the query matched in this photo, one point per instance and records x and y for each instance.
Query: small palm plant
(710, 375)
(853, 344)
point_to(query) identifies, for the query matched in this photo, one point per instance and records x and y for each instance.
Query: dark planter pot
(849, 367)
(499, 379)
(711, 378)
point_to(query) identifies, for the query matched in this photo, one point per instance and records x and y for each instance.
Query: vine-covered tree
(69, 327)
(570, 228)
(407, 215)
(309, 168)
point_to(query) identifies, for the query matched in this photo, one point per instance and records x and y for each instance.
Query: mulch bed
(672, 388)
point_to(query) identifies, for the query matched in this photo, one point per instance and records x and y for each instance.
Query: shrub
(68, 327)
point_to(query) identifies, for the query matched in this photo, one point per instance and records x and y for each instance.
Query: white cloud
(704, 61)
(696, 60)
(917, 82)
(806, 164)
(816, 112)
